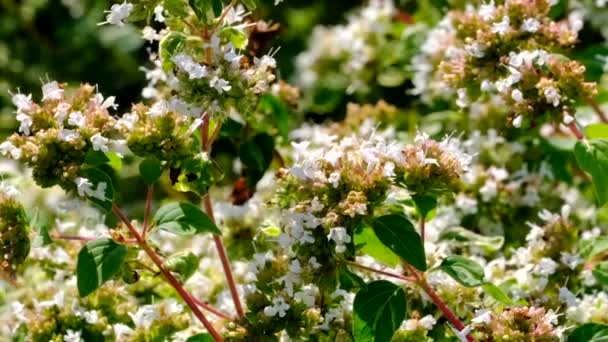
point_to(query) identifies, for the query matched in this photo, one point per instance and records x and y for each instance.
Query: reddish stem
(211, 309)
(422, 225)
(72, 237)
(167, 274)
(386, 273)
(577, 132)
(597, 109)
(219, 244)
(149, 198)
(221, 251)
(447, 312)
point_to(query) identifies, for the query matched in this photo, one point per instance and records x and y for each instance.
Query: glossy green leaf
(103, 191)
(425, 205)
(380, 308)
(98, 261)
(368, 242)
(592, 156)
(465, 271)
(600, 272)
(177, 8)
(589, 332)
(238, 39)
(203, 337)
(184, 219)
(596, 131)
(257, 154)
(496, 293)
(464, 237)
(203, 10)
(183, 263)
(349, 280)
(398, 234)
(150, 170)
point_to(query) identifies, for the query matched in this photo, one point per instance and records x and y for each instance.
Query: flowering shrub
(252, 224)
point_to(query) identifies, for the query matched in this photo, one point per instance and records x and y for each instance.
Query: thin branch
(167, 274)
(386, 273)
(149, 199)
(598, 110)
(577, 132)
(211, 309)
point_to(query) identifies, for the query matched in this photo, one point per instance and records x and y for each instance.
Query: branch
(386, 273)
(167, 274)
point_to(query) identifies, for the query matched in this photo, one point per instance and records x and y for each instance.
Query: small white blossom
(77, 119)
(100, 143)
(567, 297)
(530, 25)
(158, 13)
(72, 336)
(279, 306)
(145, 316)
(219, 84)
(68, 135)
(118, 13)
(517, 121)
(517, 96)
(334, 179)
(340, 237)
(84, 188)
(502, 27)
(25, 123)
(23, 102)
(7, 147)
(552, 96)
(51, 91)
(189, 66)
(463, 99)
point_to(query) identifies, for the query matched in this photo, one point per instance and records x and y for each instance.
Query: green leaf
(234, 36)
(217, 7)
(398, 234)
(371, 245)
(600, 272)
(596, 131)
(256, 154)
(203, 337)
(177, 8)
(98, 178)
(589, 332)
(464, 237)
(170, 45)
(41, 222)
(271, 104)
(250, 4)
(380, 308)
(202, 9)
(465, 271)
(183, 263)
(150, 169)
(592, 247)
(184, 219)
(425, 204)
(349, 280)
(592, 156)
(98, 261)
(496, 293)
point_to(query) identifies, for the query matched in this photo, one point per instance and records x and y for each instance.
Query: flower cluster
(513, 50)
(14, 232)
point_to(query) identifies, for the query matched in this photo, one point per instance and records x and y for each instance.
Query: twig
(386, 273)
(577, 132)
(211, 309)
(149, 198)
(167, 274)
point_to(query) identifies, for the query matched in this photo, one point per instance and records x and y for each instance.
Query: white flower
(118, 13)
(7, 147)
(517, 121)
(488, 190)
(334, 179)
(475, 49)
(72, 336)
(486, 85)
(158, 13)
(567, 297)
(501, 27)
(9, 189)
(98, 101)
(568, 119)
(482, 316)
(51, 91)
(128, 121)
(486, 11)
(314, 263)
(278, 307)
(122, 330)
(84, 188)
(219, 84)
(100, 143)
(22, 102)
(91, 316)
(76, 119)
(517, 96)
(530, 25)
(463, 99)
(552, 96)
(340, 237)
(145, 316)
(545, 267)
(427, 322)
(233, 58)
(150, 34)
(159, 108)
(307, 295)
(26, 123)
(571, 260)
(189, 66)
(68, 135)
(462, 334)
